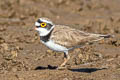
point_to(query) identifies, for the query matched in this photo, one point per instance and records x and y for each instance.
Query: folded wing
(70, 37)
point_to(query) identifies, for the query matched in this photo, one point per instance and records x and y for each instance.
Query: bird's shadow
(86, 70)
(43, 68)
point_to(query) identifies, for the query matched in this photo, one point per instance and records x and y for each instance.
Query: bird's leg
(66, 58)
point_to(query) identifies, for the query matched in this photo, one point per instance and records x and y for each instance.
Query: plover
(63, 38)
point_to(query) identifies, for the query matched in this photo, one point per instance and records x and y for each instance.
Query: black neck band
(46, 38)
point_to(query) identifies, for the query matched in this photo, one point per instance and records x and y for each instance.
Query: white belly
(50, 44)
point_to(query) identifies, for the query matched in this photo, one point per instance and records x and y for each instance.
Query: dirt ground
(23, 57)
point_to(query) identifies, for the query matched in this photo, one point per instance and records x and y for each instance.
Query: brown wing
(70, 37)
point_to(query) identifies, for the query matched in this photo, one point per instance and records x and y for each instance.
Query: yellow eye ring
(43, 24)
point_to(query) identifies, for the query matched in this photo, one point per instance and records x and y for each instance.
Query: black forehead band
(39, 21)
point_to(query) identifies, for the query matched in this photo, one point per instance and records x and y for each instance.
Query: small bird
(63, 38)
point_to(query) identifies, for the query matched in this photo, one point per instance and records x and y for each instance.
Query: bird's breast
(56, 47)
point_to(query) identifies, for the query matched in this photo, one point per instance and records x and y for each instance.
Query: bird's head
(44, 26)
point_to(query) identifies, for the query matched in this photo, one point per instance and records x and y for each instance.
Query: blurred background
(21, 51)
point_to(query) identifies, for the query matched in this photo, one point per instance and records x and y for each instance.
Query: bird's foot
(61, 68)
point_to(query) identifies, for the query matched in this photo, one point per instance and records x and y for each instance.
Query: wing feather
(69, 37)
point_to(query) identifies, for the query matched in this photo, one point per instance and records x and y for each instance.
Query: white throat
(43, 31)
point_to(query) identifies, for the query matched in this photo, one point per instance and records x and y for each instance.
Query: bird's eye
(43, 24)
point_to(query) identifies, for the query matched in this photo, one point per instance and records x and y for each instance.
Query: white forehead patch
(37, 24)
(46, 21)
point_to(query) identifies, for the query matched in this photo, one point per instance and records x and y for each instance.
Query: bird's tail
(100, 37)
(107, 36)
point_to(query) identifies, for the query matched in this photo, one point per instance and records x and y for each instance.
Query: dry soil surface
(23, 57)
